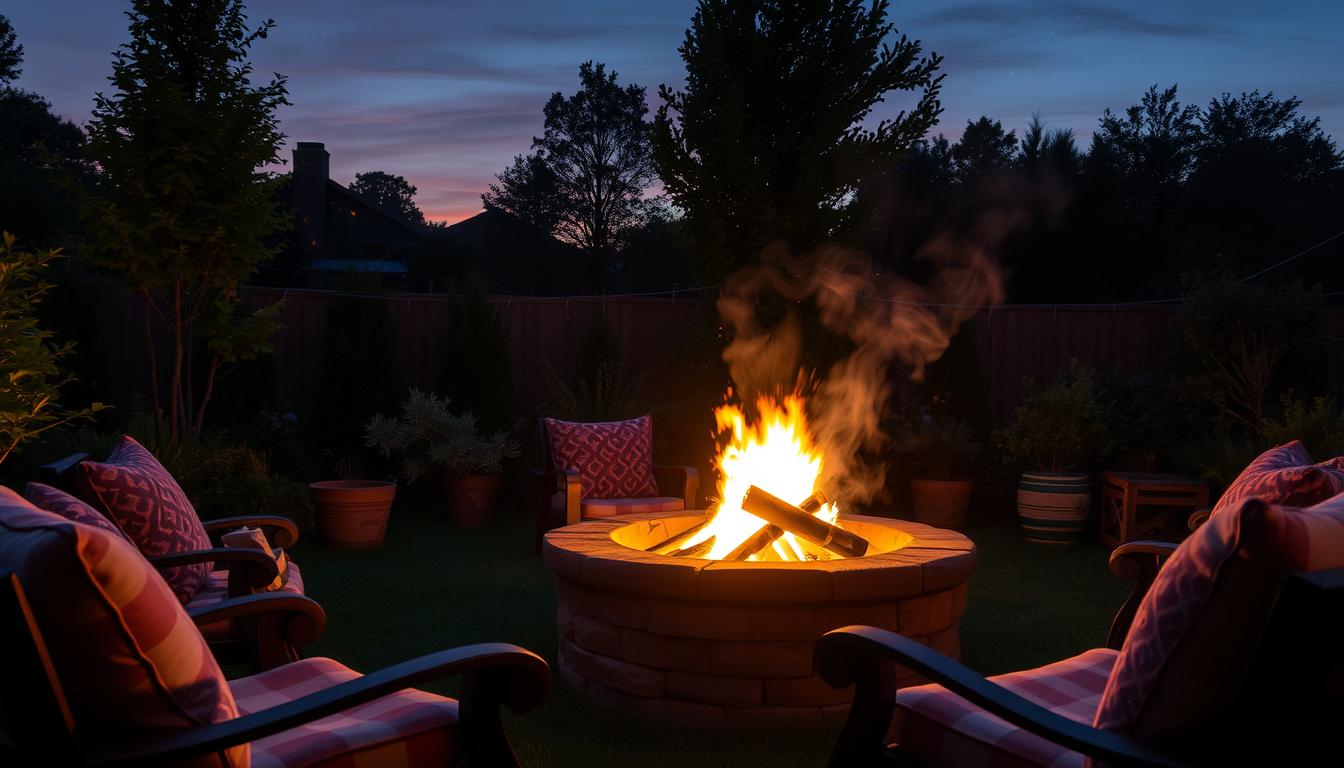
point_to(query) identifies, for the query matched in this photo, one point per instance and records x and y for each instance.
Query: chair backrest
(60, 473)
(33, 706)
(544, 441)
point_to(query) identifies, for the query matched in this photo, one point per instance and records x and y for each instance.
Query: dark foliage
(361, 365)
(477, 371)
(389, 192)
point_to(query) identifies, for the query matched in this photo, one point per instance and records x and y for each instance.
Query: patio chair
(1245, 666)
(1284, 474)
(598, 470)
(228, 572)
(104, 668)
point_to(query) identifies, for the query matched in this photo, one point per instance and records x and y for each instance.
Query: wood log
(782, 514)
(695, 550)
(673, 542)
(766, 534)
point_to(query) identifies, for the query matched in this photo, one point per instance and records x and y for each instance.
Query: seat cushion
(614, 458)
(598, 509)
(133, 489)
(217, 588)
(71, 508)
(127, 655)
(1197, 629)
(408, 728)
(939, 727)
(1285, 475)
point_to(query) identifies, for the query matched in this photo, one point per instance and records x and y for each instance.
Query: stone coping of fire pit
(907, 559)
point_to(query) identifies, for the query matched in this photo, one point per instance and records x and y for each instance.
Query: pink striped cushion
(128, 657)
(408, 728)
(1197, 628)
(938, 727)
(1285, 475)
(599, 509)
(71, 508)
(614, 458)
(139, 495)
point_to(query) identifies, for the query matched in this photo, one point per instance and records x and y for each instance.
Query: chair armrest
(1139, 562)
(270, 627)
(855, 655)
(678, 481)
(250, 569)
(1198, 517)
(280, 531)
(565, 481)
(495, 674)
(58, 473)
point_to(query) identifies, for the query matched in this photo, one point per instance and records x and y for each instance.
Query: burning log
(666, 546)
(782, 514)
(767, 534)
(695, 550)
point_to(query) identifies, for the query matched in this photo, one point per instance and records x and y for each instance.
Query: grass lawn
(433, 586)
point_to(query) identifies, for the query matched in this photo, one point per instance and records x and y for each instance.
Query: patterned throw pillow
(133, 489)
(1197, 628)
(131, 662)
(55, 500)
(614, 458)
(1285, 475)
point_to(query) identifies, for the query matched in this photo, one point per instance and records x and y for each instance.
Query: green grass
(433, 586)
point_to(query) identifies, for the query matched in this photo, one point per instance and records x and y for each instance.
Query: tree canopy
(770, 138)
(388, 191)
(586, 178)
(11, 52)
(185, 206)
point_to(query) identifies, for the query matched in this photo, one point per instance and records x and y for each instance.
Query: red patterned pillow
(67, 506)
(131, 662)
(614, 458)
(1285, 475)
(1196, 630)
(133, 489)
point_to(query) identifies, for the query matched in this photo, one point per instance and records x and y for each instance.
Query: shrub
(428, 434)
(1319, 424)
(1217, 459)
(939, 447)
(1061, 427)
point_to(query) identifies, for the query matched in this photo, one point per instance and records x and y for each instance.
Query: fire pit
(712, 642)
(710, 618)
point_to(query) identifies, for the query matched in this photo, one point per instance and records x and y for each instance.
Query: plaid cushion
(408, 728)
(614, 458)
(939, 727)
(139, 495)
(1285, 475)
(71, 508)
(1196, 630)
(129, 658)
(598, 509)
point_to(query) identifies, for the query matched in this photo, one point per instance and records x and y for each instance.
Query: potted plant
(352, 512)
(938, 448)
(1054, 432)
(428, 434)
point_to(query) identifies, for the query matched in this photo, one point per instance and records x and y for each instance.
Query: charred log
(782, 514)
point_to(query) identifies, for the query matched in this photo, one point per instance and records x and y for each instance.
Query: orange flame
(775, 454)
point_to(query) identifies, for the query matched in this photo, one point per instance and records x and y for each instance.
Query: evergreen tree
(984, 147)
(769, 139)
(186, 207)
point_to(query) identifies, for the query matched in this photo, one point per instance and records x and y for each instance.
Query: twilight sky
(446, 92)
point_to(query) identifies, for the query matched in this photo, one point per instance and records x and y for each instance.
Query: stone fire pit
(720, 643)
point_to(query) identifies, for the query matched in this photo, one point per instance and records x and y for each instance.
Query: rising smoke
(895, 326)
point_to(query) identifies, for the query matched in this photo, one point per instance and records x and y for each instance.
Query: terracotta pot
(941, 503)
(1053, 507)
(353, 513)
(471, 498)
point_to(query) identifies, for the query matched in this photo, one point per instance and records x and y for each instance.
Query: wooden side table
(1146, 505)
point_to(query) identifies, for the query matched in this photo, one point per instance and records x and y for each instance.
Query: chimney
(312, 166)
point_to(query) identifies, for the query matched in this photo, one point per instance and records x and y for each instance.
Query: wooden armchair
(1289, 703)
(560, 497)
(281, 715)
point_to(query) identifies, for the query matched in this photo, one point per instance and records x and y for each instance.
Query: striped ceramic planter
(1053, 507)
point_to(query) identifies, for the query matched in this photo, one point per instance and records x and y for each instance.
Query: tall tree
(984, 147)
(594, 155)
(186, 205)
(388, 191)
(769, 139)
(11, 53)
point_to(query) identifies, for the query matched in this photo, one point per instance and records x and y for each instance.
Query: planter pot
(941, 503)
(353, 513)
(471, 498)
(1054, 507)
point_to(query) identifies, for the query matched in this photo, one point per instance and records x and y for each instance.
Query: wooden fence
(1013, 342)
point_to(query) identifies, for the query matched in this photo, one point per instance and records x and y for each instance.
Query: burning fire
(776, 455)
